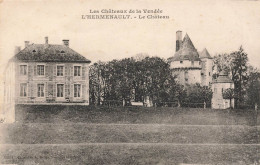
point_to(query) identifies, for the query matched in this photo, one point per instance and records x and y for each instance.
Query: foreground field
(129, 135)
(71, 133)
(134, 115)
(131, 153)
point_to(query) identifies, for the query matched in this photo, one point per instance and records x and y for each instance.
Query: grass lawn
(49, 133)
(133, 115)
(62, 134)
(127, 153)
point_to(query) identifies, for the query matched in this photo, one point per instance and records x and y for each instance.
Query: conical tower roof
(187, 51)
(205, 54)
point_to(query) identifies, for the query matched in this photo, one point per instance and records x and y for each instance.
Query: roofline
(214, 82)
(183, 60)
(51, 61)
(206, 57)
(186, 68)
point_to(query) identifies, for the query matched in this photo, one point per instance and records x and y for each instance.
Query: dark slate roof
(205, 54)
(49, 53)
(223, 78)
(187, 51)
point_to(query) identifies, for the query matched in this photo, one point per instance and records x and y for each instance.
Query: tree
(236, 64)
(157, 78)
(253, 87)
(239, 74)
(222, 62)
(229, 94)
(96, 82)
(177, 93)
(132, 78)
(198, 94)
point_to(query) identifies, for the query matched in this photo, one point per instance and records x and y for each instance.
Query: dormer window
(62, 51)
(34, 51)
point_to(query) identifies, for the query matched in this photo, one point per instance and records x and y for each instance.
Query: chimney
(66, 43)
(178, 40)
(46, 40)
(26, 43)
(17, 49)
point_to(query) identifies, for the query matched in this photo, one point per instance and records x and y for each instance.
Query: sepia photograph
(120, 82)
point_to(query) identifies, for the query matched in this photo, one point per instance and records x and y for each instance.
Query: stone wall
(206, 76)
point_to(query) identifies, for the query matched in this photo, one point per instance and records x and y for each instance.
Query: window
(60, 70)
(186, 76)
(192, 62)
(199, 63)
(76, 90)
(23, 69)
(215, 90)
(181, 62)
(40, 90)
(60, 90)
(209, 73)
(77, 70)
(40, 70)
(23, 90)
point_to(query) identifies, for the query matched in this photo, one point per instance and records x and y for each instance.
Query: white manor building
(47, 73)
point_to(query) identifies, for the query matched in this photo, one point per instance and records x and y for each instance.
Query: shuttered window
(60, 90)
(77, 90)
(40, 70)
(40, 90)
(23, 69)
(23, 89)
(60, 70)
(77, 70)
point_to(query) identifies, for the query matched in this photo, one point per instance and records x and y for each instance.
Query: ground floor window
(40, 90)
(77, 90)
(60, 90)
(23, 89)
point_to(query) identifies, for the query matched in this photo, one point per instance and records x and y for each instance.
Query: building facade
(189, 65)
(47, 73)
(219, 85)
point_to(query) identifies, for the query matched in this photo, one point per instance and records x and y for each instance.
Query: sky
(219, 26)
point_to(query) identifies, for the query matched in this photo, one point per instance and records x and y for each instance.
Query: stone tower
(206, 65)
(222, 83)
(185, 63)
